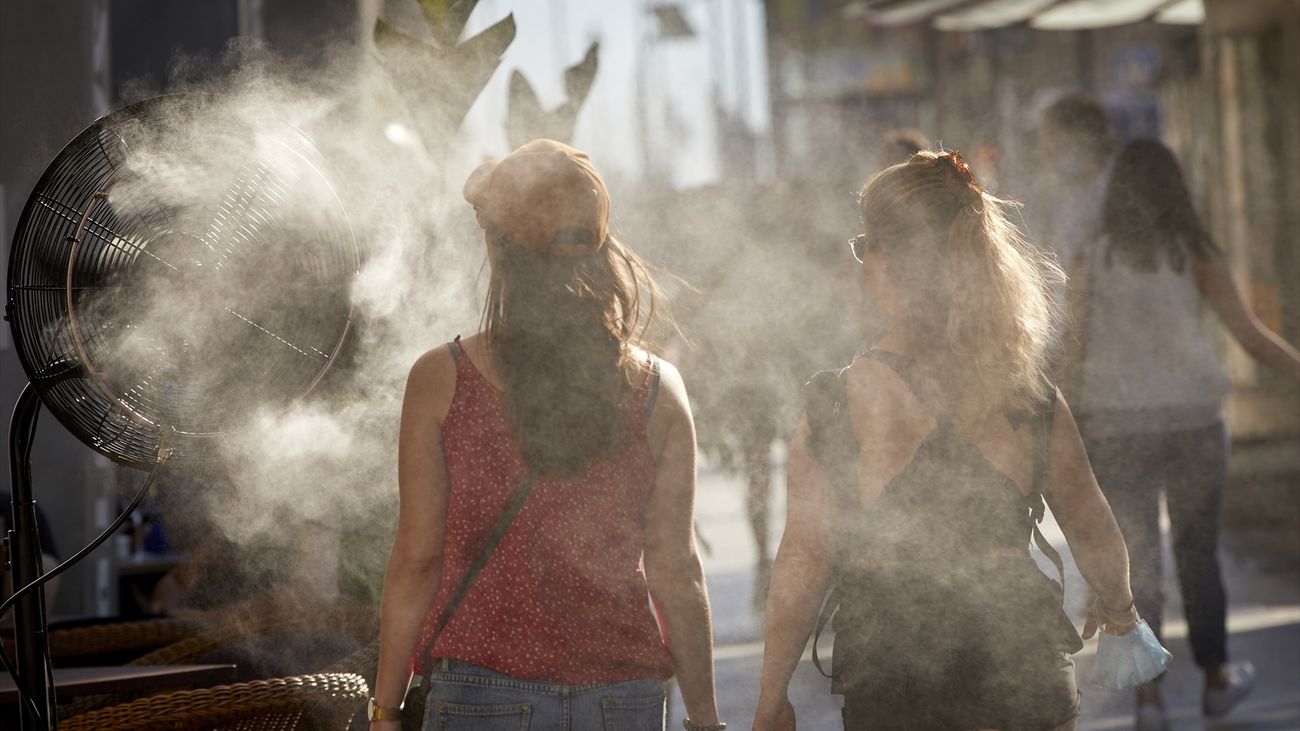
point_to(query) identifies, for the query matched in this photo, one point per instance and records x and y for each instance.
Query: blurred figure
(985, 164)
(1077, 144)
(1150, 396)
(742, 416)
(743, 388)
(899, 144)
(556, 393)
(918, 472)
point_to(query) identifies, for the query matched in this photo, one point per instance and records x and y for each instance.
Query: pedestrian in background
(554, 432)
(1150, 397)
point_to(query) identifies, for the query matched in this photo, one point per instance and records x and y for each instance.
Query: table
(136, 578)
(70, 682)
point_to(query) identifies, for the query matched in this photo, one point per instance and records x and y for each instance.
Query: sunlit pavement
(1264, 621)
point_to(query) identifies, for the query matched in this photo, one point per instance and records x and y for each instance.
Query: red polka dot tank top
(563, 597)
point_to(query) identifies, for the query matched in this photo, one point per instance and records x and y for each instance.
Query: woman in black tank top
(918, 475)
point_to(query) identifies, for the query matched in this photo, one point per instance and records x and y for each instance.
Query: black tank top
(936, 577)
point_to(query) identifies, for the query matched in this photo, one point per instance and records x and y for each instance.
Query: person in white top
(1149, 391)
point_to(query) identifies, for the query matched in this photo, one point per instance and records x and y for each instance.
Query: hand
(779, 717)
(385, 726)
(1108, 621)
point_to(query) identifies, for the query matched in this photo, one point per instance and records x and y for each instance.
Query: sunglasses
(860, 246)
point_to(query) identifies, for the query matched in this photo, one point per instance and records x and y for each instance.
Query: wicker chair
(363, 662)
(117, 637)
(357, 621)
(360, 622)
(320, 702)
(114, 641)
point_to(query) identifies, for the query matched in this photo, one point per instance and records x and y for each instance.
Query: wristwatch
(377, 712)
(719, 726)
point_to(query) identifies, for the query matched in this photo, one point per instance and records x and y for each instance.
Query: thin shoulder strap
(900, 365)
(832, 444)
(454, 348)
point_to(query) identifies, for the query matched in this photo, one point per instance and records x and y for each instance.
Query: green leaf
(447, 19)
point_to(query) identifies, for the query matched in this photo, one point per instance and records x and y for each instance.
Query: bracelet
(1125, 610)
(1107, 612)
(686, 724)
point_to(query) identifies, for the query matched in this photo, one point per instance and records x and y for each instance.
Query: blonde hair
(973, 291)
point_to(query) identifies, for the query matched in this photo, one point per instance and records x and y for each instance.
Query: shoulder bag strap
(489, 546)
(414, 703)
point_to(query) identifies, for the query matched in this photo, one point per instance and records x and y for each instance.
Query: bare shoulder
(672, 410)
(889, 421)
(878, 395)
(431, 383)
(672, 390)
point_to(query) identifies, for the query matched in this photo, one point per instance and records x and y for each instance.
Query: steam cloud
(325, 464)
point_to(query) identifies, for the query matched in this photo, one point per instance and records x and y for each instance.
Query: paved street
(1262, 572)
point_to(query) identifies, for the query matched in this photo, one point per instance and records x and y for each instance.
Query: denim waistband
(459, 671)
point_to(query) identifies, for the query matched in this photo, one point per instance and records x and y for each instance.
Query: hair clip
(959, 166)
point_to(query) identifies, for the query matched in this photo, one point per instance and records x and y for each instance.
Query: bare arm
(1085, 517)
(1216, 284)
(415, 562)
(672, 564)
(800, 575)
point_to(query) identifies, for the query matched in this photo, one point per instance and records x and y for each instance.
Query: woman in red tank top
(546, 471)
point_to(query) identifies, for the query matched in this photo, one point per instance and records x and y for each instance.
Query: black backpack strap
(830, 431)
(832, 444)
(1042, 470)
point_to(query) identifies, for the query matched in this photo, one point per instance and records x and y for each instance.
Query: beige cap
(545, 196)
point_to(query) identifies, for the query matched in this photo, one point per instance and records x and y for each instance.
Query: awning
(1041, 14)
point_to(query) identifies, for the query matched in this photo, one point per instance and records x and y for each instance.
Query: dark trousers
(1190, 468)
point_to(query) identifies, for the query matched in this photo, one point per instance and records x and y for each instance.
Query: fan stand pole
(30, 631)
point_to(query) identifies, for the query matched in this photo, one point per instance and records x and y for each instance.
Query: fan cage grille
(177, 317)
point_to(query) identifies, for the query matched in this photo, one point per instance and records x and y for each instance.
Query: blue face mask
(1127, 661)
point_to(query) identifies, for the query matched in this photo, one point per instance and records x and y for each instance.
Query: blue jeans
(1191, 468)
(466, 696)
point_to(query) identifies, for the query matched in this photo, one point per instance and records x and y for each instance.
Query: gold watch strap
(385, 713)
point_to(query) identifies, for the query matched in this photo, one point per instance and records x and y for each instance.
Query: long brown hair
(1148, 214)
(974, 292)
(562, 331)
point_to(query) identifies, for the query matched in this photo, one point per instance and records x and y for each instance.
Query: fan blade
(58, 369)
